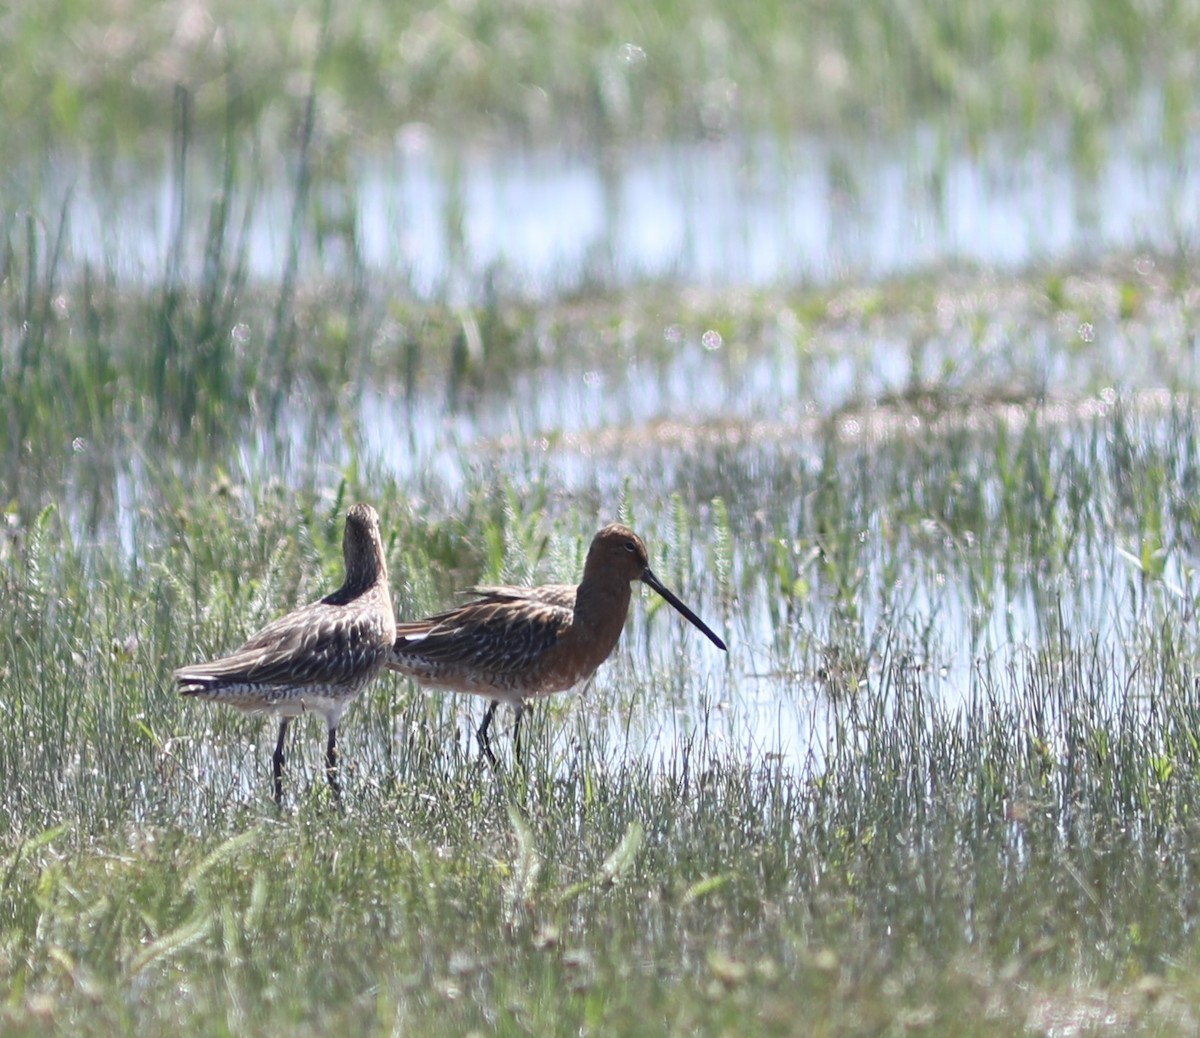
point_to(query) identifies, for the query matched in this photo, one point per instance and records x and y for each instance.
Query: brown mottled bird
(513, 643)
(316, 659)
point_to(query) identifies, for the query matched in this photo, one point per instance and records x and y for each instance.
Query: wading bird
(512, 644)
(316, 659)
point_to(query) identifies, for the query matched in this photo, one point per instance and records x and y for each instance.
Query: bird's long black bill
(649, 578)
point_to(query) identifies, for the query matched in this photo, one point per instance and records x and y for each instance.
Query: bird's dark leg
(331, 765)
(482, 734)
(277, 762)
(520, 712)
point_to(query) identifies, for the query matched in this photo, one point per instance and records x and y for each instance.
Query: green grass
(944, 781)
(986, 824)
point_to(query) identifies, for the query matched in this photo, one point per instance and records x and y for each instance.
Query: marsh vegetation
(945, 515)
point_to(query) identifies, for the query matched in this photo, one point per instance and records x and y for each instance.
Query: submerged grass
(1005, 850)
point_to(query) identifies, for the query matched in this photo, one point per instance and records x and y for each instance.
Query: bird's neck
(601, 607)
(362, 575)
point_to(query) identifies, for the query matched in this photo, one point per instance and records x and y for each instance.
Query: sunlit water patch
(443, 220)
(937, 607)
(920, 601)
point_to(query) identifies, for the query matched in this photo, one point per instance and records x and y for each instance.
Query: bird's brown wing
(317, 644)
(561, 595)
(501, 633)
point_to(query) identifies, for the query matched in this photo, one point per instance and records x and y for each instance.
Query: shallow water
(728, 419)
(438, 219)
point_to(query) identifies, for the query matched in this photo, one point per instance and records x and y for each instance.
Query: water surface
(441, 219)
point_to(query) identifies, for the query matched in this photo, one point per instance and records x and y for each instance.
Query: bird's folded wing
(492, 634)
(312, 645)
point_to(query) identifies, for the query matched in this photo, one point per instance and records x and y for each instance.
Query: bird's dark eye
(629, 546)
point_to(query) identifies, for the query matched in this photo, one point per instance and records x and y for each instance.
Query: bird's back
(330, 642)
(504, 643)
